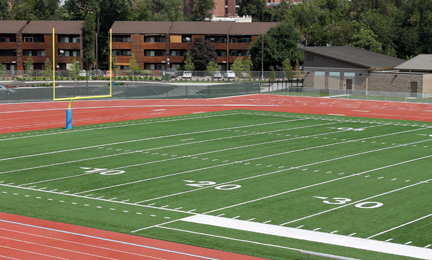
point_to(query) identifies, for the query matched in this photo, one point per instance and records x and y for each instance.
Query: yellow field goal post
(69, 110)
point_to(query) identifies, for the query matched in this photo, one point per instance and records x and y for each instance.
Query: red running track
(36, 239)
(29, 238)
(20, 117)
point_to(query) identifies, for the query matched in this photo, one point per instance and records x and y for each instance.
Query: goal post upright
(69, 109)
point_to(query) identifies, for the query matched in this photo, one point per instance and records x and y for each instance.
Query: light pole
(87, 54)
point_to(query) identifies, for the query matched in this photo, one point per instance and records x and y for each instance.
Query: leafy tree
(167, 10)
(34, 9)
(272, 77)
(47, 68)
(28, 65)
(4, 10)
(1, 70)
(366, 39)
(257, 9)
(307, 15)
(89, 28)
(211, 68)
(74, 70)
(141, 11)
(133, 65)
(189, 65)
(287, 69)
(297, 70)
(280, 42)
(247, 66)
(202, 52)
(237, 66)
(201, 8)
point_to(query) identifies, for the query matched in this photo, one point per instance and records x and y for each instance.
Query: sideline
(314, 236)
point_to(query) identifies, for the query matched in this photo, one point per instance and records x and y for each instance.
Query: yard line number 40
(205, 184)
(361, 205)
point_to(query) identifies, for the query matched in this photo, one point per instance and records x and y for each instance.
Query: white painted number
(103, 171)
(337, 201)
(373, 206)
(361, 205)
(351, 129)
(203, 184)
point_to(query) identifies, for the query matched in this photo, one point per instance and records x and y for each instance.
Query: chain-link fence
(137, 91)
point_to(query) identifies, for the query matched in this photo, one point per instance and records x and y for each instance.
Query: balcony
(177, 59)
(8, 45)
(121, 45)
(7, 59)
(153, 45)
(66, 59)
(180, 46)
(239, 45)
(66, 45)
(154, 59)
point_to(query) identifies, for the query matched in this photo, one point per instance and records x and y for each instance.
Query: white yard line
(147, 139)
(230, 238)
(245, 160)
(371, 197)
(313, 185)
(183, 144)
(405, 224)
(320, 237)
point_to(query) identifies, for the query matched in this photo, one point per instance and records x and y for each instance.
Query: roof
(61, 27)
(204, 28)
(357, 56)
(140, 27)
(422, 62)
(256, 28)
(11, 26)
(200, 28)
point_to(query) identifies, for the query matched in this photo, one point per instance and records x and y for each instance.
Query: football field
(266, 184)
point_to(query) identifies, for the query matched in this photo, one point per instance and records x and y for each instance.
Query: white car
(6, 91)
(229, 74)
(83, 73)
(217, 74)
(187, 74)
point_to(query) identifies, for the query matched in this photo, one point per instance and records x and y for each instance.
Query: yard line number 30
(361, 205)
(205, 184)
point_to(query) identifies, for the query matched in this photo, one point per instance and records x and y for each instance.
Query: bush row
(136, 78)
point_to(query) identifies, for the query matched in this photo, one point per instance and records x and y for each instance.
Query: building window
(34, 53)
(121, 39)
(76, 40)
(63, 39)
(349, 74)
(154, 39)
(234, 40)
(320, 73)
(334, 74)
(40, 39)
(12, 39)
(226, 10)
(28, 39)
(158, 66)
(216, 39)
(122, 53)
(2, 39)
(187, 38)
(239, 53)
(221, 53)
(177, 53)
(155, 53)
(7, 52)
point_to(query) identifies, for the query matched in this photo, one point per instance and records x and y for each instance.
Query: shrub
(62, 78)
(147, 72)
(150, 78)
(130, 78)
(156, 78)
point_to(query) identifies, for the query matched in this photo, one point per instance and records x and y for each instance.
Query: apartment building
(19, 41)
(10, 39)
(222, 8)
(162, 45)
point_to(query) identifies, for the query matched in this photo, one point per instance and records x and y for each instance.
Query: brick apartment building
(162, 45)
(19, 41)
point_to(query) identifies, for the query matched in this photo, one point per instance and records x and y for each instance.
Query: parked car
(187, 74)
(229, 74)
(6, 91)
(107, 74)
(217, 74)
(97, 73)
(83, 73)
(173, 72)
(245, 74)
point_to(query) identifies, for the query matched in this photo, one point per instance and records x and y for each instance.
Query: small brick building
(350, 68)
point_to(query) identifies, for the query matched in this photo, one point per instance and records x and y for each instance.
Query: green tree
(133, 65)
(287, 69)
(366, 39)
(201, 9)
(211, 68)
(167, 10)
(47, 68)
(257, 9)
(89, 30)
(1, 70)
(74, 70)
(247, 66)
(141, 11)
(272, 76)
(280, 42)
(34, 9)
(297, 71)
(188, 64)
(237, 66)
(4, 10)
(202, 52)
(28, 65)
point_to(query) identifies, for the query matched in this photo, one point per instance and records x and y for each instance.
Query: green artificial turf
(349, 176)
